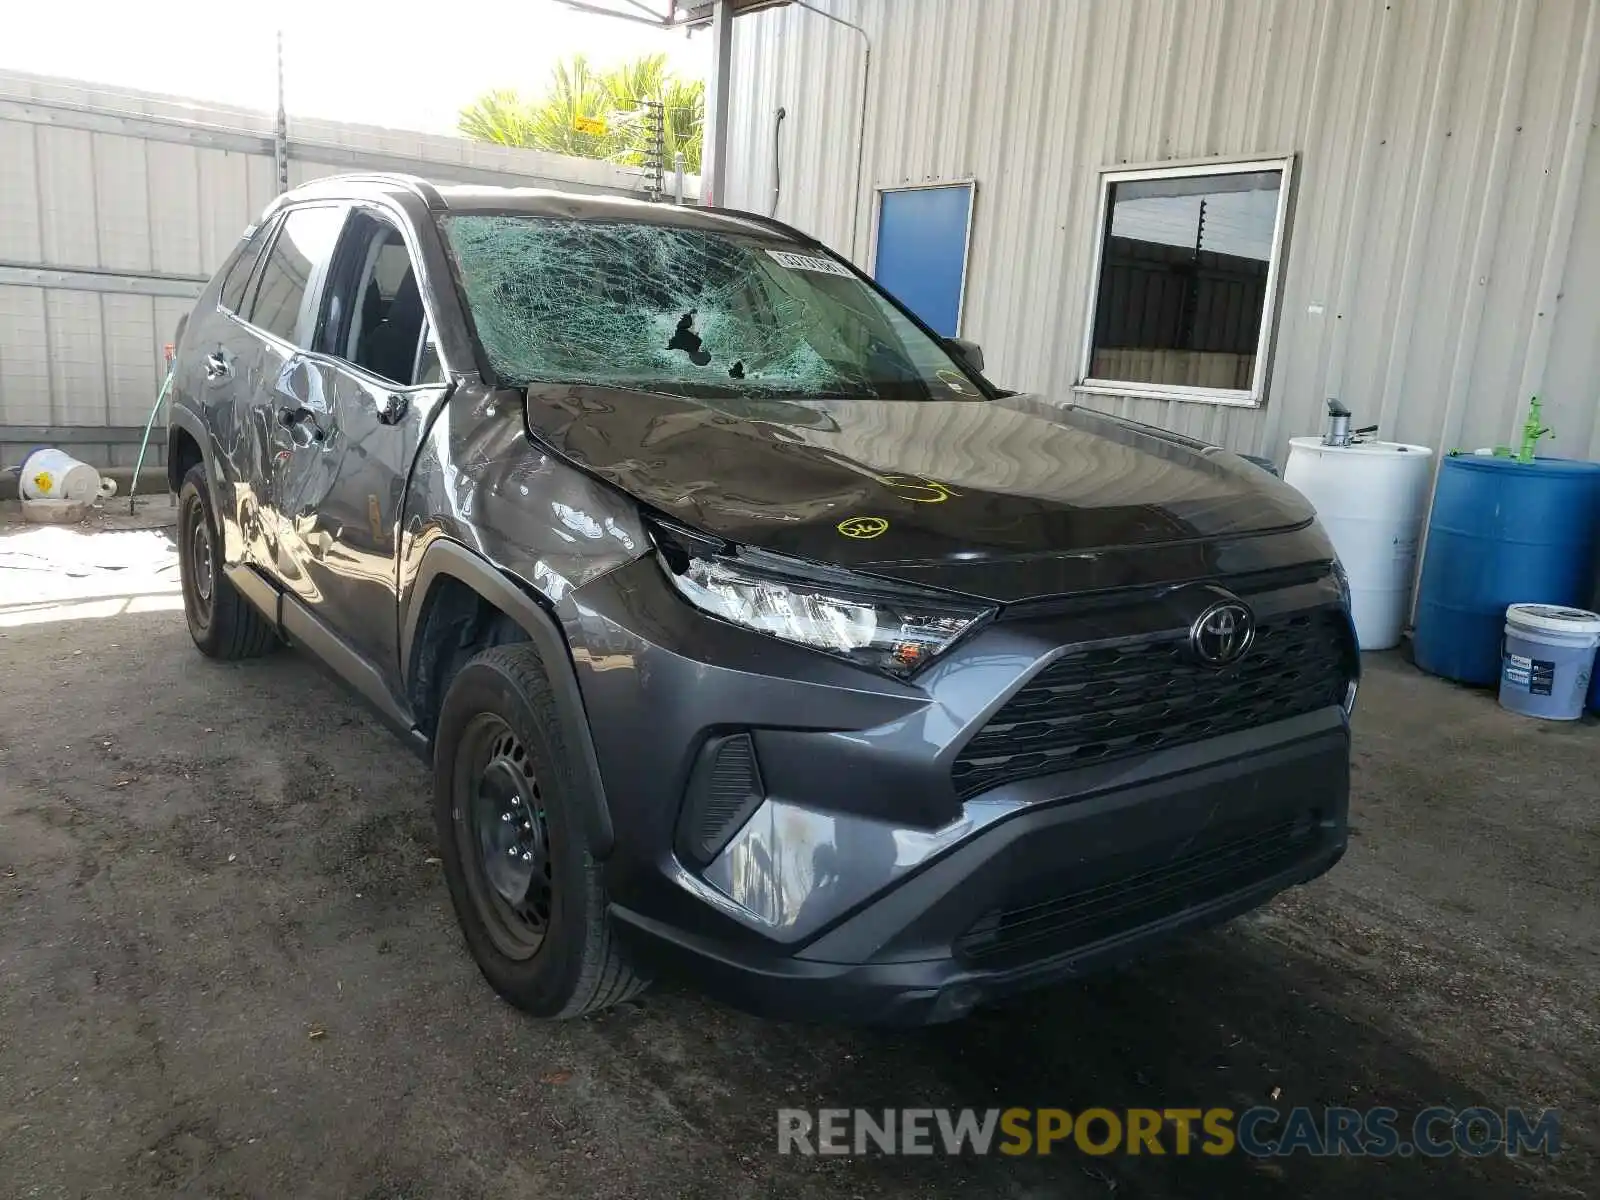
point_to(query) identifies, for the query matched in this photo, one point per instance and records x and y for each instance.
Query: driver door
(354, 408)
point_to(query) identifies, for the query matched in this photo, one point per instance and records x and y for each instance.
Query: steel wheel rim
(201, 566)
(502, 837)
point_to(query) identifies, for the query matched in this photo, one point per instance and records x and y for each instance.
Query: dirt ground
(228, 965)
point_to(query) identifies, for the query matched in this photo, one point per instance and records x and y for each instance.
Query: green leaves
(616, 96)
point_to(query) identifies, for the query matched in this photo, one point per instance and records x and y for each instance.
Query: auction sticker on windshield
(807, 262)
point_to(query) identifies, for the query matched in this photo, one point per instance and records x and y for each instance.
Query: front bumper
(1047, 894)
(862, 888)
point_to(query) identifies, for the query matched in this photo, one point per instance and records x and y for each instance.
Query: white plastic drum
(56, 475)
(1371, 498)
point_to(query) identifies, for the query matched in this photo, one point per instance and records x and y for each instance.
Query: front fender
(453, 560)
(490, 507)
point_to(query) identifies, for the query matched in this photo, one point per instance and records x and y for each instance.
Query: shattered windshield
(686, 311)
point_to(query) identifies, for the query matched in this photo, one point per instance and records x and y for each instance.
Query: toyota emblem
(1222, 634)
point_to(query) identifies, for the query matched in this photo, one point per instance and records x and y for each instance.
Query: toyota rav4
(751, 633)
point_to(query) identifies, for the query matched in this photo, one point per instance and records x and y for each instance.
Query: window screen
(1185, 265)
(306, 240)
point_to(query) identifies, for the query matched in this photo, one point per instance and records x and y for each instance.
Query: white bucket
(56, 475)
(1370, 498)
(1547, 661)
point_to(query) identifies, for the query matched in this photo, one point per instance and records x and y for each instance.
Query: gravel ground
(229, 966)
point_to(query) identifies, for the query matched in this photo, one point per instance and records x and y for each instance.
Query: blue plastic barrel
(1501, 533)
(1594, 599)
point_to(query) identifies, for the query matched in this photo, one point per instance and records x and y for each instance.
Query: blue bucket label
(1535, 675)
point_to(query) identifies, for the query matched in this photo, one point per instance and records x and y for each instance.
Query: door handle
(392, 408)
(218, 366)
(301, 422)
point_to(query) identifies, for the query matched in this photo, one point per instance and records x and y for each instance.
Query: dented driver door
(351, 495)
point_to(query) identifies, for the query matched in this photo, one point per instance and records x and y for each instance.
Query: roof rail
(414, 184)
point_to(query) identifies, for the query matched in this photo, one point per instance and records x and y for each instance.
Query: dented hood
(1005, 499)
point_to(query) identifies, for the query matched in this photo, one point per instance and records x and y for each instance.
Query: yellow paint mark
(44, 481)
(862, 527)
(594, 125)
(917, 489)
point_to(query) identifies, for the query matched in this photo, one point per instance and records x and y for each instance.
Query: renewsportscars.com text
(1260, 1132)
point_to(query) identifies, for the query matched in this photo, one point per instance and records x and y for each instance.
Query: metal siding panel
(24, 357)
(1571, 389)
(225, 207)
(122, 201)
(19, 195)
(174, 177)
(66, 196)
(130, 357)
(168, 312)
(77, 358)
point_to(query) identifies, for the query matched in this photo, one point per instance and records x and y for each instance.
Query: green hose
(144, 442)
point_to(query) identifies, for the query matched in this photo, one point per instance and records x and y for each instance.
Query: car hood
(1007, 499)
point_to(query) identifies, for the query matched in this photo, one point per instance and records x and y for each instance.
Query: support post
(280, 139)
(714, 157)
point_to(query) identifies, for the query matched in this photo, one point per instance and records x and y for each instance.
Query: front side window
(1188, 265)
(300, 250)
(687, 311)
(373, 314)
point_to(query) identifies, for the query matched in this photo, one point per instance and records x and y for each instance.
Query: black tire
(222, 623)
(507, 804)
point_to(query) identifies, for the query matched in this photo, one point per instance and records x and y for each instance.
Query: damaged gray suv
(751, 633)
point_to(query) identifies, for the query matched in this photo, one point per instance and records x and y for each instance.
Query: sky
(368, 62)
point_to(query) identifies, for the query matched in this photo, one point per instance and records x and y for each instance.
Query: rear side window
(298, 254)
(244, 266)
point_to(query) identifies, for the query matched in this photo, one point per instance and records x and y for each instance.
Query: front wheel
(507, 804)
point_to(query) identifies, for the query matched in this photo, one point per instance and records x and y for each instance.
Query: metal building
(115, 208)
(1211, 215)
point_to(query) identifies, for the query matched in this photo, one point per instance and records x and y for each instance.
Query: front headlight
(1342, 578)
(894, 636)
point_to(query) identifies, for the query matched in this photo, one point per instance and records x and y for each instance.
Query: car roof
(540, 202)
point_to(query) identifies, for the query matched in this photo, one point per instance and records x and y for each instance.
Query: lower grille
(1028, 932)
(1111, 702)
(724, 789)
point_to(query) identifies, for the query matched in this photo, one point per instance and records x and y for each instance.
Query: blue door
(922, 250)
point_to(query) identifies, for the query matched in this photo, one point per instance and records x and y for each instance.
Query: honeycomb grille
(1112, 702)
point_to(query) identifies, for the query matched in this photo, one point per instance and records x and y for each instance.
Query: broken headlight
(895, 636)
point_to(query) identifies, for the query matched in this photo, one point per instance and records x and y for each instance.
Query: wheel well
(456, 623)
(183, 452)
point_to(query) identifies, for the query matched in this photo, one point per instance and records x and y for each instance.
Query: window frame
(397, 221)
(1255, 395)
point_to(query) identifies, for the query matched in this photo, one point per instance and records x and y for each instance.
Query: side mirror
(969, 352)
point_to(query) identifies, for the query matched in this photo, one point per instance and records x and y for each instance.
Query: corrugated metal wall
(1444, 246)
(116, 206)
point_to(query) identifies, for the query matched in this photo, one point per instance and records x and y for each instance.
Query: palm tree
(615, 96)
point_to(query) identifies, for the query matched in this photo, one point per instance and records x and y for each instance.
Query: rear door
(288, 405)
(217, 374)
(369, 386)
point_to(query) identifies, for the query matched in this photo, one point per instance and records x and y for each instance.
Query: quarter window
(1189, 260)
(298, 253)
(244, 266)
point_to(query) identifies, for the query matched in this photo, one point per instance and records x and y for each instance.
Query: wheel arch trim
(449, 558)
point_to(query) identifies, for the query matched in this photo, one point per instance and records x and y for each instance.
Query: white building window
(1186, 274)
